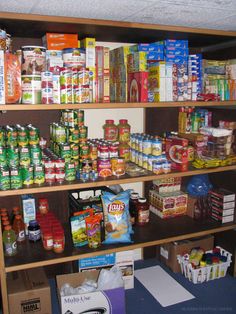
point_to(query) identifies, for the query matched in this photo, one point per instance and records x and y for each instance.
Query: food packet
(116, 217)
(93, 230)
(78, 227)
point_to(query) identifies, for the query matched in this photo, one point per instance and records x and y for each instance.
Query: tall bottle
(143, 211)
(19, 228)
(133, 202)
(9, 241)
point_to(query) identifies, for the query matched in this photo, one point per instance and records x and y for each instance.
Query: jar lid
(33, 223)
(134, 195)
(123, 121)
(142, 200)
(18, 217)
(109, 121)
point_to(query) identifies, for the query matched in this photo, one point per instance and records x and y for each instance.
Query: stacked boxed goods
(102, 74)
(222, 205)
(118, 74)
(195, 75)
(57, 41)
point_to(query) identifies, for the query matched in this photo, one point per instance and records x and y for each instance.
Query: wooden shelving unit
(29, 29)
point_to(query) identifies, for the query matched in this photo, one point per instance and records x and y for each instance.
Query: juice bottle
(9, 241)
(15, 211)
(19, 228)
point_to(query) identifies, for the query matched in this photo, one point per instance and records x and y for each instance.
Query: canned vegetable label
(70, 172)
(24, 156)
(74, 135)
(13, 155)
(33, 136)
(4, 179)
(11, 136)
(39, 176)
(60, 134)
(3, 156)
(27, 175)
(2, 137)
(15, 178)
(35, 154)
(80, 117)
(22, 137)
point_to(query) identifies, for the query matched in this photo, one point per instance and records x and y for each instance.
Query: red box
(177, 153)
(138, 87)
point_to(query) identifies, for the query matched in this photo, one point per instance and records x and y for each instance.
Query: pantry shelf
(168, 104)
(158, 231)
(112, 180)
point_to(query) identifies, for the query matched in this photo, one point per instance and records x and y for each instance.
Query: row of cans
(72, 117)
(146, 144)
(60, 133)
(19, 135)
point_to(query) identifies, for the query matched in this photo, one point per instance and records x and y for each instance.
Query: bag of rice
(116, 217)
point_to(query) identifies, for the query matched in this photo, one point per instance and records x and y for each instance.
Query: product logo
(30, 306)
(116, 207)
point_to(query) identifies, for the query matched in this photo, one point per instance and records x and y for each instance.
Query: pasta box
(177, 153)
(109, 301)
(138, 87)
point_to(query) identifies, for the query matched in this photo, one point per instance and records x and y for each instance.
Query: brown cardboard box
(168, 252)
(29, 292)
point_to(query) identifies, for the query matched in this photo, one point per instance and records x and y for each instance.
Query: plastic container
(110, 131)
(34, 231)
(123, 131)
(206, 273)
(9, 241)
(58, 242)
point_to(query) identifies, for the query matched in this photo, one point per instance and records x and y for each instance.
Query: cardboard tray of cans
(203, 274)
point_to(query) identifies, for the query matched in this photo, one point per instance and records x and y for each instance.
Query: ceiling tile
(106, 9)
(226, 24)
(22, 6)
(182, 15)
(211, 4)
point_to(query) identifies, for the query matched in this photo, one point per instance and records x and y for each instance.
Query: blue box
(176, 43)
(156, 56)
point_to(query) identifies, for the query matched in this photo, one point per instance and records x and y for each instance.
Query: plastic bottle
(110, 131)
(15, 211)
(19, 228)
(133, 202)
(9, 241)
(123, 131)
(143, 211)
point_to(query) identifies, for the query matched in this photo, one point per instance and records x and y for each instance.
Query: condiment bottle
(47, 240)
(133, 202)
(9, 241)
(110, 131)
(34, 232)
(143, 211)
(19, 228)
(15, 211)
(43, 206)
(124, 151)
(123, 131)
(58, 241)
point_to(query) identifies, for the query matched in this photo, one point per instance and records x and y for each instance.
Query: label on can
(39, 176)
(70, 172)
(27, 175)
(4, 179)
(15, 178)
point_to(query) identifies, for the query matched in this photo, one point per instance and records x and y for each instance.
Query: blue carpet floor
(216, 296)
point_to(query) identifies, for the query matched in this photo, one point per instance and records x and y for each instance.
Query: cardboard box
(137, 87)
(29, 292)
(2, 78)
(168, 252)
(177, 153)
(109, 301)
(57, 41)
(125, 260)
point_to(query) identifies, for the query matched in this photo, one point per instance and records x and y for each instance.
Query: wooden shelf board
(167, 104)
(157, 232)
(111, 181)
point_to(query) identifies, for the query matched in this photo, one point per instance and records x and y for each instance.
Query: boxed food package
(29, 292)
(168, 205)
(109, 301)
(157, 82)
(125, 260)
(177, 153)
(57, 41)
(168, 252)
(137, 87)
(137, 62)
(168, 185)
(2, 78)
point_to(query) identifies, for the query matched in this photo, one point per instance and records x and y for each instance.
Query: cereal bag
(116, 217)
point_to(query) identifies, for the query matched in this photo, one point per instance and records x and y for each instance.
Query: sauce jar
(58, 241)
(142, 211)
(133, 202)
(123, 131)
(48, 240)
(110, 131)
(124, 151)
(34, 231)
(43, 206)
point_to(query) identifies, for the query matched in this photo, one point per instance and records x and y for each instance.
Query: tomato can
(104, 168)
(113, 150)
(103, 150)
(59, 163)
(59, 175)
(50, 176)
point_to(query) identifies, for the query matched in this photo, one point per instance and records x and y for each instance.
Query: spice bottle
(110, 131)
(58, 241)
(19, 228)
(48, 240)
(9, 241)
(123, 131)
(133, 202)
(34, 231)
(143, 211)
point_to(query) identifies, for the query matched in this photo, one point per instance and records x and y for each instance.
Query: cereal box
(2, 73)
(177, 153)
(137, 87)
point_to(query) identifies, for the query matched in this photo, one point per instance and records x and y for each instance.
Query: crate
(79, 199)
(206, 273)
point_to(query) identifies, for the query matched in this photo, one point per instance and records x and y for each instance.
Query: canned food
(47, 79)
(15, 178)
(60, 175)
(22, 136)
(74, 57)
(3, 156)
(93, 151)
(66, 94)
(118, 166)
(4, 179)
(74, 148)
(84, 176)
(50, 176)
(70, 172)
(35, 154)
(147, 146)
(65, 152)
(132, 155)
(84, 151)
(166, 167)
(13, 155)
(157, 167)
(83, 133)
(65, 77)
(47, 95)
(39, 175)
(33, 135)
(27, 175)
(93, 175)
(140, 159)
(156, 147)
(113, 150)
(60, 133)
(31, 89)
(59, 163)
(80, 116)
(86, 165)
(2, 137)
(145, 161)
(49, 164)
(11, 136)
(103, 151)
(104, 168)
(33, 60)
(75, 78)
(24, 154)
(74, 135)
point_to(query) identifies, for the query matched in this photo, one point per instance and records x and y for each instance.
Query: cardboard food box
(138, 87)
(168, 252)
(109, 301)
(177, 153)
(125, 260)
(29, 292)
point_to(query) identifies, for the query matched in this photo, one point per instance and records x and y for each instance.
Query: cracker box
(109, 301)
(177, 153)
(89, 45)
(59, 41)
(157, 82)
(137, 87)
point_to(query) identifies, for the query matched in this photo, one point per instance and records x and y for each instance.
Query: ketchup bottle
(143, 211)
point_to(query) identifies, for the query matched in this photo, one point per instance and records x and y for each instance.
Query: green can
(33, 134)
(35, 154)
(27, 175)
(3, 156)
(39, 175)
(72, 118)
(84, 151)
(60, 134)
(13, 156)
(80, 117)
(74, 148)
(15, 177)
(83, 133)
(22, 136)
(11, 135)
(2, 137)
(70, 172)
(64, 116)
(65, 152)
(74, 135)
(24, 153)
(5, 183)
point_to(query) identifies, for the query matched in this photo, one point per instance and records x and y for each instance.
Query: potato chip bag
(116, 217)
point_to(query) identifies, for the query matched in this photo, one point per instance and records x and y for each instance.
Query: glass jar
(110, 131)
(142, 211)
(48, 240)
(58, 241)
(133, 202)
(124, 151)
(123, 131)
(34, 231)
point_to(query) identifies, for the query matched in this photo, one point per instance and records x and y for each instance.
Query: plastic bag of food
(110, 279)
(116, 217)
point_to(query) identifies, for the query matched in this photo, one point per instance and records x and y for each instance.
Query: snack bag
(116, 217)
(78, 227)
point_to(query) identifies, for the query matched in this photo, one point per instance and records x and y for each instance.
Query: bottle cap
(109, 121)
(7, 227)
(123, 121)
(134, 195)
(142, 200)
(18, 217)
